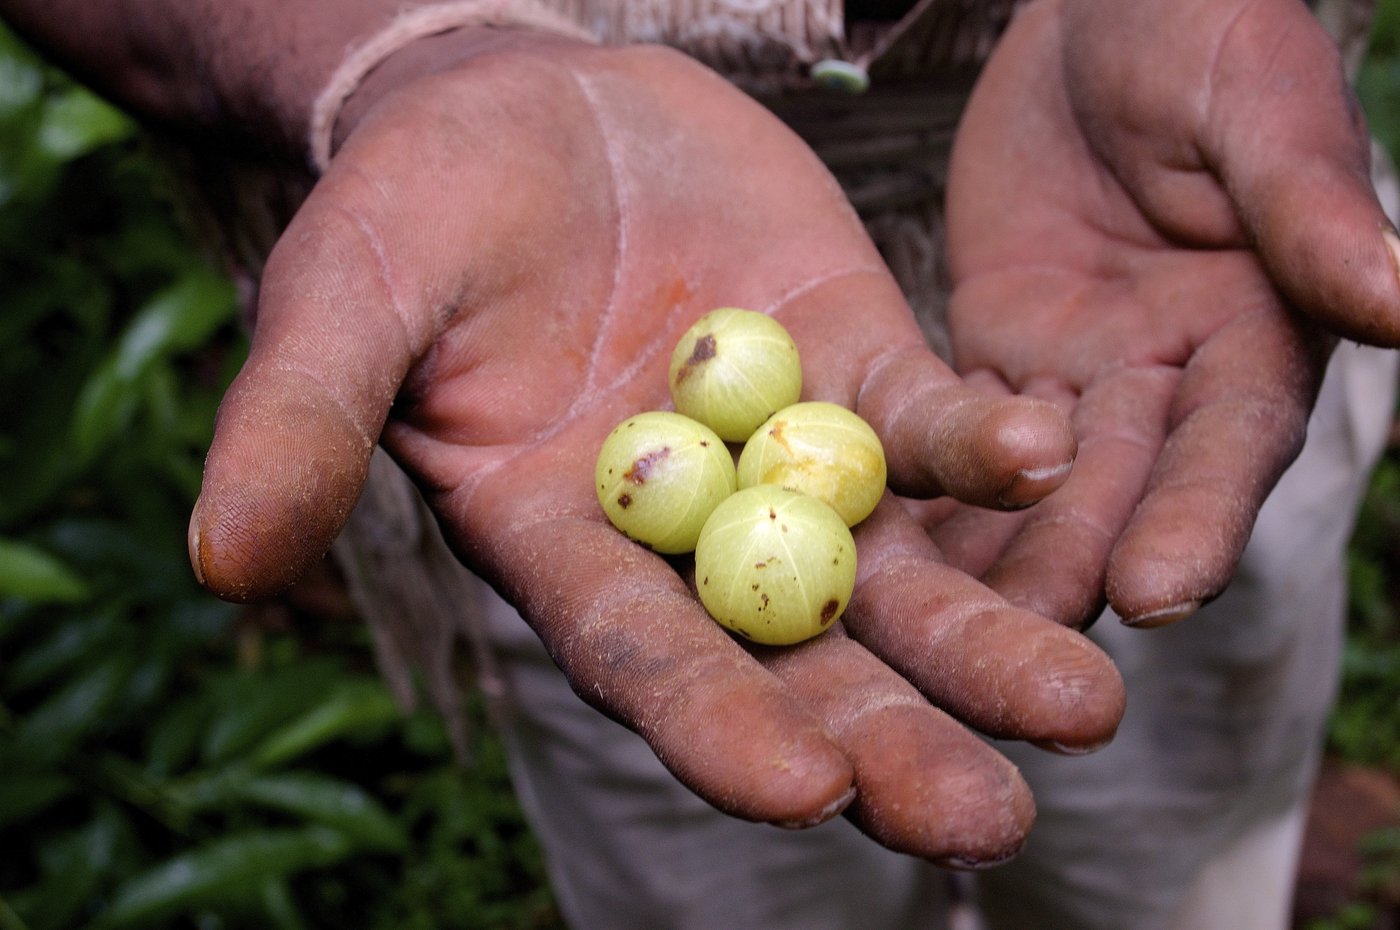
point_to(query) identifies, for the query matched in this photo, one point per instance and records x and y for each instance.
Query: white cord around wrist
(408, 27)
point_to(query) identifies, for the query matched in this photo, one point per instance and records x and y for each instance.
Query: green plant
(168, 760)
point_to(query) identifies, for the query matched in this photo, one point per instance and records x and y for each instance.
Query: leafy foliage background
(168, 760)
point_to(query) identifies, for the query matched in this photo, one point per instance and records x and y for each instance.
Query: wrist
(425, 42)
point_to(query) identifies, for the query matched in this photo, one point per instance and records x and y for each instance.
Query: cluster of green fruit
(774, 558)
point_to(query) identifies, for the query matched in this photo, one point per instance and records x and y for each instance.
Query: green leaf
(328, 801)
(63, 645)
(252, 705)
(23, 794)
(357, 706)
(21, 80)
(180, 318)
(280, 906)
(30, 573)
(56, 726)
(221, 871)
(78, 121)
(175, 733)
(75, 865)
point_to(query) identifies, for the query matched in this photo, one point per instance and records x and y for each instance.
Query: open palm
(490, 276)
(1167, 242)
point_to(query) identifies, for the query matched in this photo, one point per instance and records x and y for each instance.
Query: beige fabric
(402, 31)
(1249, 884)
(768, 45)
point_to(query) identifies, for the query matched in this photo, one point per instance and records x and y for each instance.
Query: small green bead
(840, 76)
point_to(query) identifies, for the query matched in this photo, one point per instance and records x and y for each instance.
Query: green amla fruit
(775, 566)
(659, 476)
(819, 449)
(733, 369)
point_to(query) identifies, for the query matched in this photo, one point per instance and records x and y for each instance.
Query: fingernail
(1392, 242)
(1163, 616)
(1064, 749)
(968, 864)
(822, 816)
(192, 540)
(1032, 484)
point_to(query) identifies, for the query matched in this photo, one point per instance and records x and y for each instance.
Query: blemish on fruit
(704, 351)
(829, 610)
(643, 467)
(624, 501)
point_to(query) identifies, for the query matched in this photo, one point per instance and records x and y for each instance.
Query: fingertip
(1078, 703)
(782, 768)
(242, 552)
(1345, 275)
(1001, 452)
(1178, 553)
(1154, 589)
(273, 501)
(1339, 266)
(1027, 444)
(968, 807)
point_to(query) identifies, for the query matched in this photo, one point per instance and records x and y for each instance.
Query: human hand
(490, 276)
(1160, 216)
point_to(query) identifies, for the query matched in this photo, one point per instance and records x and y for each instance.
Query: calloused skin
(1166, 240)
(490, 276)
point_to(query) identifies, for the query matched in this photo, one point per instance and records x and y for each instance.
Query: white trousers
(1189, 820)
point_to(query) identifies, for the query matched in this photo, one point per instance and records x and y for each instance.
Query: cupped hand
(1161, 218)
(490, 276)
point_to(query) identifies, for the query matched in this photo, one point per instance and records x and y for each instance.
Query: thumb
(294, 433)
(1291, 147)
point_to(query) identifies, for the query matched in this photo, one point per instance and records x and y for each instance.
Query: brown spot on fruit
(704, 351)
(776, 431)
(643, 467)
(829, 610)
(625, 501)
